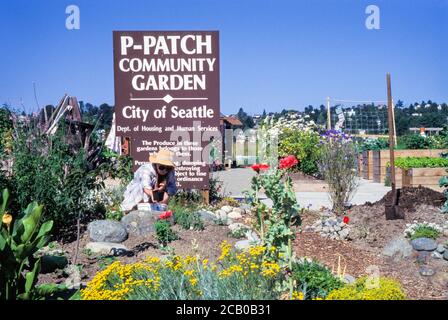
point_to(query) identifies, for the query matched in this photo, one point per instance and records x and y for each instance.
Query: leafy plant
(20, 238)
(314, 279)
(274, 225)
(114, 214)
(420, 162)
(338, 167)
(164, 233)
(415, 141)
(443, 183)
(369, 289)
(238, 233)
(423, 230)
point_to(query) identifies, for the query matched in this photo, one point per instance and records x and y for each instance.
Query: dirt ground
(371, 232)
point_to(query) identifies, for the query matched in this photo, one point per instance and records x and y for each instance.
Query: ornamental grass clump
(337, 165)
(235, 275)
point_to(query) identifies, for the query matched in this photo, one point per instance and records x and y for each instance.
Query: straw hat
(164, 157)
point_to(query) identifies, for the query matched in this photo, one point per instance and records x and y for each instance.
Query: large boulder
(107, 231)
(424, 244)
(398, 248)
(445, 255)
(140, 223)
(207, 216)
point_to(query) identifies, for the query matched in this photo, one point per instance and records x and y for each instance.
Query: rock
(206, 216)
(337, 228)
(235, 226)
(398, 248)
(445, 255)
(246, 207)
(344, 233)
(244, 244)
(440, 248)
(220, 214)
(140, 223)
(227, 209)
(107, 231)
(252, 236)
(73, 275)
(426, 271)
(349, 279)
(239, 210)
(234, 215)
(423, 257)
(436, 255)
(50, 263)
(107, 248)
(325, 229)
(424, 244)
(332, 223)
(445, 232)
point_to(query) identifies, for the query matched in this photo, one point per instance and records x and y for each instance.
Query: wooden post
(391, 133)
(328, 114)
(206, 196)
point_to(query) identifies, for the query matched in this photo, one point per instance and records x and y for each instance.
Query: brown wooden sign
(167, 96)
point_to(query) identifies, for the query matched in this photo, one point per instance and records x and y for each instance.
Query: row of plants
(410, 141)
(244, 275)
(420, 162)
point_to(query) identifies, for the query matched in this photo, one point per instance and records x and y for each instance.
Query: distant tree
(246, 120)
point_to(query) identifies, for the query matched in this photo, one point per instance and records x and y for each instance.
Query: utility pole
(328, 114)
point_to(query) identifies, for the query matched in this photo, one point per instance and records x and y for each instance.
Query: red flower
(259, 166)
(166, 214)
(288, 162)
(346, 220)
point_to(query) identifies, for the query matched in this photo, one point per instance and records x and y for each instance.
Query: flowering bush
(292, 134)
(362, 289)
(422, 230)
(338, 167)
(244, 275)
(164, 233)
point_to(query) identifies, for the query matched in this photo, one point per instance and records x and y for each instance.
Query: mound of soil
(372, 230)
(411, 197)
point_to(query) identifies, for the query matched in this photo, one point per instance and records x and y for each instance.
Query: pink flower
(288, 162)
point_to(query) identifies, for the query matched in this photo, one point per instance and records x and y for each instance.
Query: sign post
(167, 97)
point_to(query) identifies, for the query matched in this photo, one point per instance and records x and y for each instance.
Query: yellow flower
(7, 218)
(297, 295)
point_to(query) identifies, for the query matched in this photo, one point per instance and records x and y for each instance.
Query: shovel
(392, 210)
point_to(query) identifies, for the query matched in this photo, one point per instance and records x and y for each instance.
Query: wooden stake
(391, 132)
(206, 196)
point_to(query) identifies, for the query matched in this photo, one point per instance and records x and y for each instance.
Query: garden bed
(382, 157)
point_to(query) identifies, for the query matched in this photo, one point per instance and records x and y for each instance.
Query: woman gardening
(153, 182)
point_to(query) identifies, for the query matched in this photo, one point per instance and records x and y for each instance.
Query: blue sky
(274, 54)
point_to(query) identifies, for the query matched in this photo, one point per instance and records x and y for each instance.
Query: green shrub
(415, 141)
(369, 289)
(419, 162)
(164, 233)
(314, 279)
(186, 215)
(374, 144)
(304, 145)
(49, 170)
